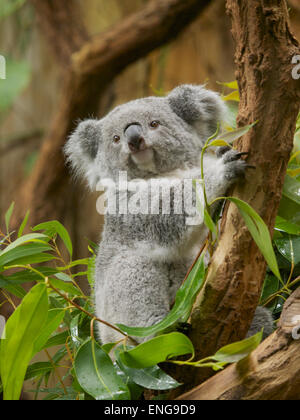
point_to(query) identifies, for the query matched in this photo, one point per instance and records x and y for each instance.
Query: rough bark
(92, 69)
(271, 372)
(264, 49)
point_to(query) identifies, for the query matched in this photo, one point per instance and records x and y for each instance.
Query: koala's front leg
(222, 170)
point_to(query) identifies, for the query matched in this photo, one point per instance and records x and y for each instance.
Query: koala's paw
(235, 167)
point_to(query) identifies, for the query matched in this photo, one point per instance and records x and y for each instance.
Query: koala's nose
(135, 138)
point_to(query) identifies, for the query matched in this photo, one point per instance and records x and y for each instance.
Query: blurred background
(30, 97)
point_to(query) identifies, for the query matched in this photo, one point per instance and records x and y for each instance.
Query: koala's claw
(242, 154)
(235, 167)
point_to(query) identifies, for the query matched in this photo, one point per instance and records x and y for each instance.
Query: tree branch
(264, 49)
(62, 25)
(93, 69)
(271, 372)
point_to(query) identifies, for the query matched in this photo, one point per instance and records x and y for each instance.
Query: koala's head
(146, 137)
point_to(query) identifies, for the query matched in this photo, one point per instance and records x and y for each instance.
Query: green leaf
(23, 224)
(74, 330)
(22, 329)
(108, 347)
(219, 143)
(285, 226)
(259, 231)
(151, 378)
(55, 318)
(8, 215)
(231, 114)
(157, 350)
(231, 136)
(17, 79)
(184, 301)
(96, 374)
(17, 254)
(32, 258)
(14, 289)
(66, 287)
(91, 271)
(289, 210)
(271, 286)
(7, 7)
(237, 351)
(57, 340)
(233, 96)
(27, 276)
(38, 369)
(64, 277)
(32, 237)
(289, 248)
(53, 228)
(291, 189)
(231, 85)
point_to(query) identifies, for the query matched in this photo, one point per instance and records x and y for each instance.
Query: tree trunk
(92, 69)
(271, 372)
(264, 49)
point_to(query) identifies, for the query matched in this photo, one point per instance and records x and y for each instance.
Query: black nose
(135, 138)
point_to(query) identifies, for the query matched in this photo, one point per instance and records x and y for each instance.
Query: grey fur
(142, 259)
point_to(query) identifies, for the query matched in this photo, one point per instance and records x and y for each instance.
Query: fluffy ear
(81, 150)
(199, 107)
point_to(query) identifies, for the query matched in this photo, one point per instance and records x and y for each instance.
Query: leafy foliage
(56, 313)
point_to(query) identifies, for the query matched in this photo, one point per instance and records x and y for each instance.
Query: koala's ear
(199, 107)
(81, 150)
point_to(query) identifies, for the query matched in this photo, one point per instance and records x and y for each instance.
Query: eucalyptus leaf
(54, 319)
(8, 215)
(291, 189)
(289, 248)
(22, 330)
(66, 287)
(157, 350)
(17, 255)
(38, 369)
(151, 377)
(23, 224)
(260, 233)
(231, 136)
(235, 352)
(53, 228)
(97, 375)
(285, 226)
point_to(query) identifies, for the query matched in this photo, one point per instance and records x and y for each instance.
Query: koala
(143, 258)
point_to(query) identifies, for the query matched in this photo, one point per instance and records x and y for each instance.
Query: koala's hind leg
(134, 292)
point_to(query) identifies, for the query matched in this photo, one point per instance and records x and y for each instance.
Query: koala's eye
(116, 139)
(154, 124)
